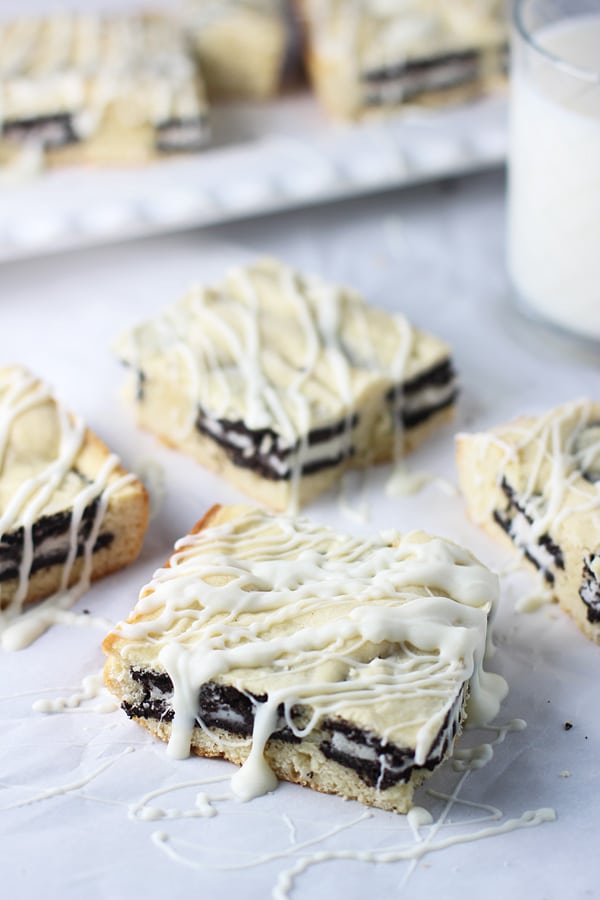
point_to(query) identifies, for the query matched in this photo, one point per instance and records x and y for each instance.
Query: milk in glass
(554, 180)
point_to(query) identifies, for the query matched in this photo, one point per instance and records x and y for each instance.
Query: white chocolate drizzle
(430, 832)
(404, 481)
(538, 596)
(383, 839)
(92, 688)
(145, 810)
(30, 481)
(339, 625)
(353, 497)
(554, 488)
(69, 787)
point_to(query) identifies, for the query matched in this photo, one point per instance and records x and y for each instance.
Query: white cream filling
(341, 743)
(429, 396)
(524, 534)
(590, 594)
(331, 449)
(184, 133)
(156, 694)
(231, 717)
(438, 77)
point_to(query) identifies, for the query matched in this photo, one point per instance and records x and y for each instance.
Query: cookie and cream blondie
(69, 512)
(281, 381)
(536, 483)
(340, 663)
(93, 89)
(368, 56)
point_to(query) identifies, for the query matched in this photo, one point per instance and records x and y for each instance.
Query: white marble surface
(435, 253)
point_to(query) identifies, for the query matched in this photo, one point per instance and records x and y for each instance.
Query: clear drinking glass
(554, 163)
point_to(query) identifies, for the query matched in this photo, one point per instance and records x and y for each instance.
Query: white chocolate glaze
(381, 632)
(266, 348)
(39, 445)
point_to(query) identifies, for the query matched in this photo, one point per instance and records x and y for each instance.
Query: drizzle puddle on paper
(173, 816)
(415, 836)
(92, 688)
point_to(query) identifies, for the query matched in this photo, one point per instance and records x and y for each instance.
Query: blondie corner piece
(343, 664)
(69, 513)
(368, 56)
(241, 46)
(281, 382)
(107, 90)
(536, 483)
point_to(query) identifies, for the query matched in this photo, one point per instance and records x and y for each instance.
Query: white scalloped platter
(264, 158)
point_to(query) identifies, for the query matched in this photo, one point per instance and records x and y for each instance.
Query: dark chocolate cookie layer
(590, 590)
(413, 413)
(418, 76)
(378, 763)
(539, 546)
(263, 451)
(51, 131)
(48, 548)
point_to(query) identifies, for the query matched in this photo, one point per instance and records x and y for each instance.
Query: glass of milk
(554, 163)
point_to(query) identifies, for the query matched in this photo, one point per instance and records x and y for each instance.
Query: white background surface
(435, 253)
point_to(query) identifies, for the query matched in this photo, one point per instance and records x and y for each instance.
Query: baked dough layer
(282, 381)
(340, 663)
(535, 483)
(240, 45)
(68, 509)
